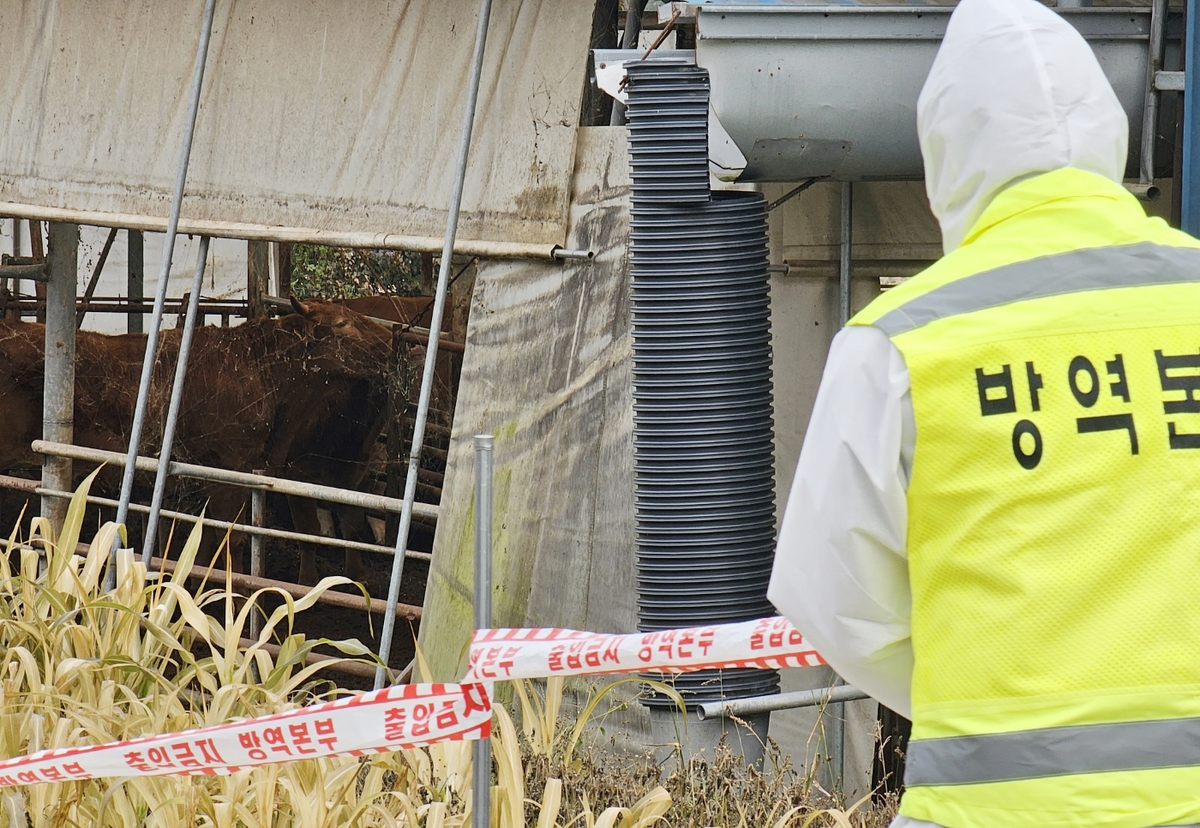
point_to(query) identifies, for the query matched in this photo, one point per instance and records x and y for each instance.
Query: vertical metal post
(1190, 207)
(38, 253)
(482, 764)
(164, 454)
(844, 264)
(847, 239)
(258, 502)
(833, 719)
(282, 253)
(58, 404)
(1154, 58)
(135, 278)
(16, 251)
(160, 298)
(435, 330)
(258, 278)
(834, 715)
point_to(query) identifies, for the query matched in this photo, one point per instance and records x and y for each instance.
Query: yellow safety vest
(1054, 514)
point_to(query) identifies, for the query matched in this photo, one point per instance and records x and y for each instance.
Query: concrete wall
(894, 235)
(547, 370)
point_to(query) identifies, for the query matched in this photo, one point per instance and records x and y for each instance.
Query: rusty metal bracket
(23, 267)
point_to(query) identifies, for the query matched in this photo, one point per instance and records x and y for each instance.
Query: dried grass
(83, 667)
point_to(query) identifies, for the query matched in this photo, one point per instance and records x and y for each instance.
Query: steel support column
(135, 277)
(58, 404)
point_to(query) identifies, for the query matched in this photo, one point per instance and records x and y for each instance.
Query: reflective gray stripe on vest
(1080, 270)
(1055, 751)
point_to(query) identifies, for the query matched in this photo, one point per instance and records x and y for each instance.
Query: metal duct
(703, 432)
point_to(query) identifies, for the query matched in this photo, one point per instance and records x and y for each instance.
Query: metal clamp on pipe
(779, 701)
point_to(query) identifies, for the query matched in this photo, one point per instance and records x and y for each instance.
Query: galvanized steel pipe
(1154, 59)
(160, 298)
(482, 751)
(845, 252)
(435, 326)
(168, 439)
(780, 701)
(225, 525)
(279, 485)
(481, 248)
(1190, 200)
(258, 508)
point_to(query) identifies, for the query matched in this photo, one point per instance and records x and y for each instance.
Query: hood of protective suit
(1014, 92)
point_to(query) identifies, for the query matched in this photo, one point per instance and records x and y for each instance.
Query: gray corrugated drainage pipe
(703, 432)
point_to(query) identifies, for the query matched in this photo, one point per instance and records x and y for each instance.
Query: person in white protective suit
(993, 528)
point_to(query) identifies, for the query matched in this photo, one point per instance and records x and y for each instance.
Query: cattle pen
(53, 270)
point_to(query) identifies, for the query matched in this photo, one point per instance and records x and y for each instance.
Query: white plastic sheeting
(333, 115)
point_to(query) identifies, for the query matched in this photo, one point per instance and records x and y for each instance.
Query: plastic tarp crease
(334, 116)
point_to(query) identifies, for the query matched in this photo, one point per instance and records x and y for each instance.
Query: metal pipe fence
(481, 777)
(249, 529)
(278, 485)
(259, 486)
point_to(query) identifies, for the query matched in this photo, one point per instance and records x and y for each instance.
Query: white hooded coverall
(1007, 99)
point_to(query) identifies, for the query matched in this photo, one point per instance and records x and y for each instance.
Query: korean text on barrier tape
(394, 718)
(536, 653)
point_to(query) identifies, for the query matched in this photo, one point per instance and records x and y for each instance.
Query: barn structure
(338, 123)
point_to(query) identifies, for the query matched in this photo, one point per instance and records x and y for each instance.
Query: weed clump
(83, 666)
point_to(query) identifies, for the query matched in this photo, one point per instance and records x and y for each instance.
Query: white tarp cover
(337, 115)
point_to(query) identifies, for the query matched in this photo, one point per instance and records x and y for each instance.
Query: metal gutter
(831, 90)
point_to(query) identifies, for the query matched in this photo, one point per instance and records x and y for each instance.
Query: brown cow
(417, 312)
(413, 311)
(297, 397)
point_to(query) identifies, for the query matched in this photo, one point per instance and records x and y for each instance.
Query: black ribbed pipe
(703, 431)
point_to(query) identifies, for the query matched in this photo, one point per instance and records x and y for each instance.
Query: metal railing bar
(335, 599)
(19, 484)
(168, 435)
(278, 485)
(780, 701)
(303, 235)
(266, 532)
(420, 336)
(435, 325)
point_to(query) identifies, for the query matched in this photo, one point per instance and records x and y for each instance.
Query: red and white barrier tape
(394, 718)
(412, 715)
(520, 654)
